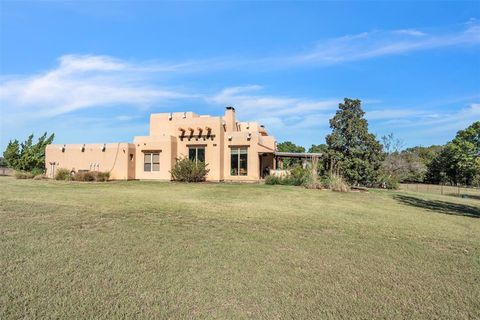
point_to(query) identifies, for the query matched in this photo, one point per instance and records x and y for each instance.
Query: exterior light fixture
(170, 116)
(104, 147)
(229, 138)
(83, 148)
(249, 136)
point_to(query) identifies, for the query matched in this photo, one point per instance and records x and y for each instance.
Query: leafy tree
(27, 156)
(3, 163)
(408, 165)
(288, 146)
(12, 154)
(458, 162)
(353, 151)
(318, 148)
(426, 154)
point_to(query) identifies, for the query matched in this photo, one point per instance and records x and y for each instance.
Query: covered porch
(279, 157)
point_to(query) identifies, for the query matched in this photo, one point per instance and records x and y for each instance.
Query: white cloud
(249, 102)
(279, 114)
(368, 45)
(80, 82)
(410, 32)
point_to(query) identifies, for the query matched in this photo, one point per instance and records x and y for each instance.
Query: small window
(196, 154)
(151, 162)
(238, 162)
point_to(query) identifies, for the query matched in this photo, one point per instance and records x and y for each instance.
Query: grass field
(164, 250)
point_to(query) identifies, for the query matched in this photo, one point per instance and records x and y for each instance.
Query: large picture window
(196, 154)
(151, 162)
(238, 162)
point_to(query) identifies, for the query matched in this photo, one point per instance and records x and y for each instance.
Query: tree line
(27, 156)
(354, 153)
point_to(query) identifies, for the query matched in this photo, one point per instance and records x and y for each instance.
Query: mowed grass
(165, 250)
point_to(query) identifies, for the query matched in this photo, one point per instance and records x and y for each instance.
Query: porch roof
(297, 154)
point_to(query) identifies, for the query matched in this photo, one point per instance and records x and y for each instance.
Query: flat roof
(297, 154)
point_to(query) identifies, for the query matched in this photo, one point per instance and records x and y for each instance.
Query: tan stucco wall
(114, 159)
(165, 145)
(171, 134)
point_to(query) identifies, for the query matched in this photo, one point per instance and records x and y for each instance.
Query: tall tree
(458, 162)
(353, 151)
(12, 154)
(27, 156)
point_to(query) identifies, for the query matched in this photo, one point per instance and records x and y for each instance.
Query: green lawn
(164, 250)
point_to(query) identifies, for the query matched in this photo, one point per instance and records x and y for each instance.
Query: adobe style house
(233, 150)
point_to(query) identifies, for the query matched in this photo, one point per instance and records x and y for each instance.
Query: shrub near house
(186, 170)
(85, 176)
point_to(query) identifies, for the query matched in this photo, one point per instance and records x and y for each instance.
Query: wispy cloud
(249, 101)
(83, 81)
(410, 32)
(378, 43)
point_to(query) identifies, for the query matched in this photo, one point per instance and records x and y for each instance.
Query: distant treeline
(354, 153)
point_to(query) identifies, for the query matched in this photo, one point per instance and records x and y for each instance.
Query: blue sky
(93, 72)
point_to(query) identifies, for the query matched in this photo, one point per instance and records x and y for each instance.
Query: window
(151, 162)
(238, 161)
(196, 154)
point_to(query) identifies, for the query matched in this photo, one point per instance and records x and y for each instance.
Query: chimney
(230, 119)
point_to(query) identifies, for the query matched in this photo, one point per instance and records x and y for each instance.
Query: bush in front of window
(186, 170)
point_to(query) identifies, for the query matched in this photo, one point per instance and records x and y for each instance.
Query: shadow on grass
(471, 196)
(440, 206)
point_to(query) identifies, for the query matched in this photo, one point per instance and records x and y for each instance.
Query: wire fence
(441, 189)
(4, 171)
